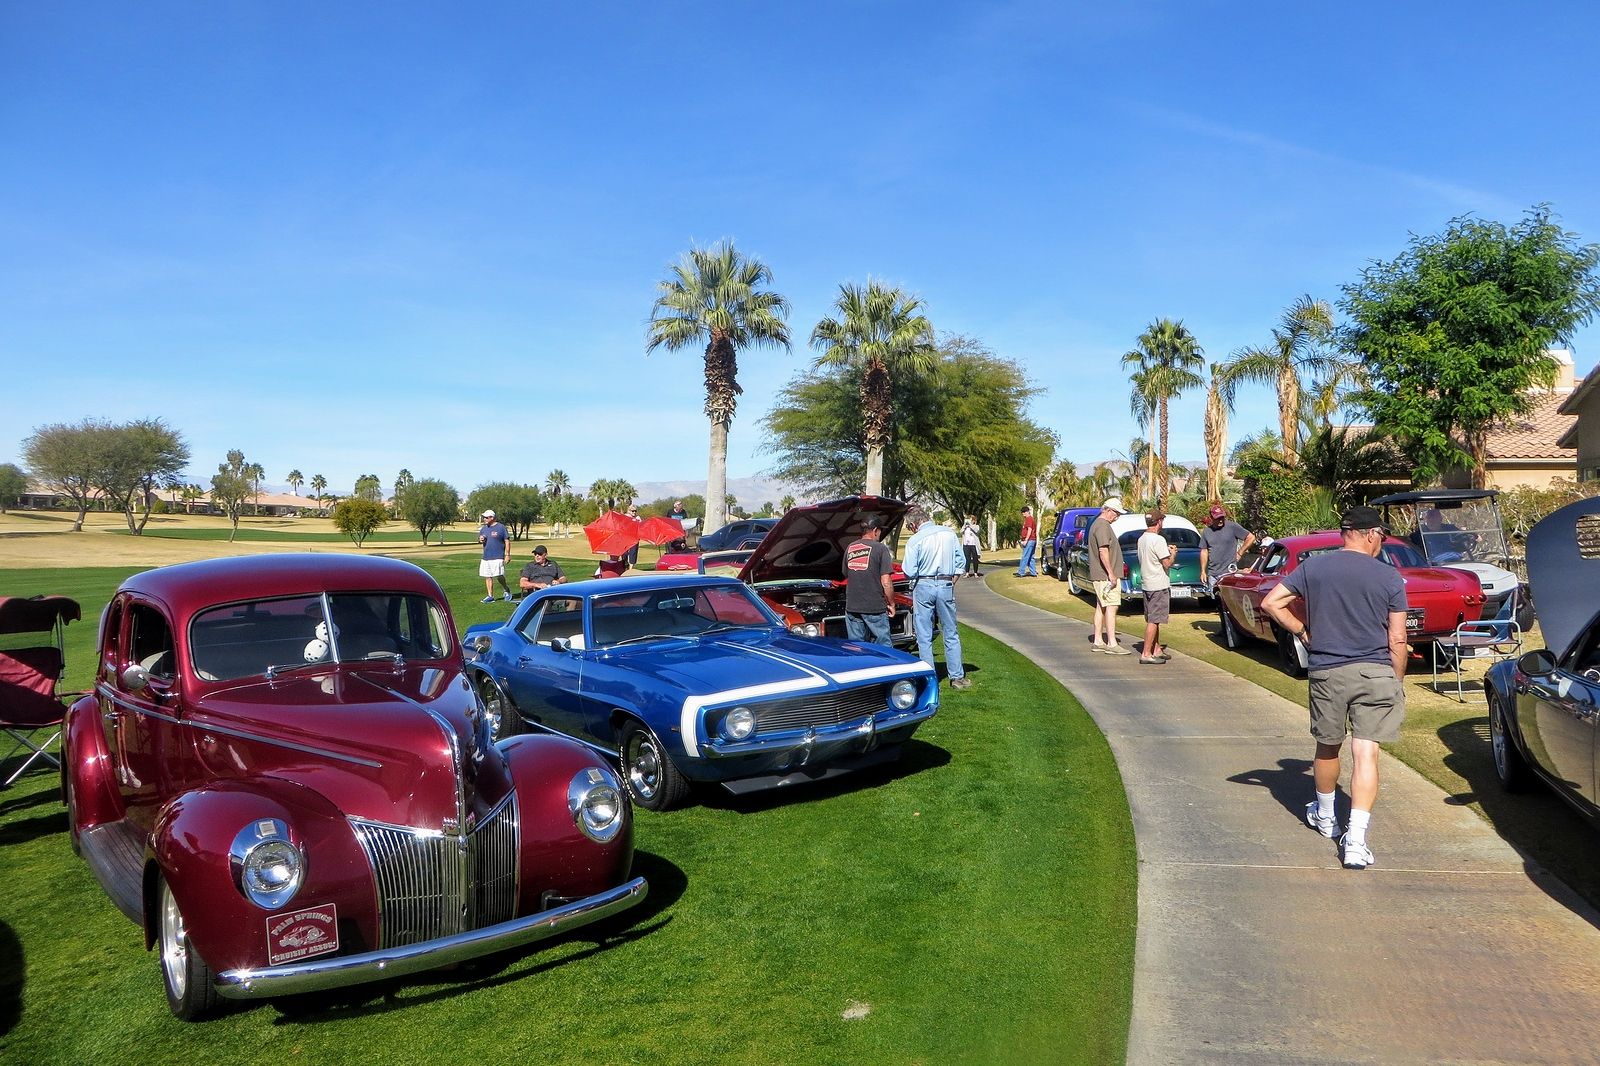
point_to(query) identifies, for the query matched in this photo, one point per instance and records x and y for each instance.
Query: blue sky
(355, 238)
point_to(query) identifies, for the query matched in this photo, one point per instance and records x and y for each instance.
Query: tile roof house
(1582, 409)
(1533, 448)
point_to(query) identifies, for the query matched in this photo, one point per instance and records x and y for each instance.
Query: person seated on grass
(541, 573)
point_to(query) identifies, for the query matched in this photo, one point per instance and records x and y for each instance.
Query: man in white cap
(1105, 573)
(496, 541)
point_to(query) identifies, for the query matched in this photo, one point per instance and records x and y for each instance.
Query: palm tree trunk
(717, 478)
(874, 486)
(1289, 413)
(1166, 471)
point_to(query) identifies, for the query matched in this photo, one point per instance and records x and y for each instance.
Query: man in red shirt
(1030, 544)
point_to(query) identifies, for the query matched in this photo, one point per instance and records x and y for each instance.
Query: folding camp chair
(1499, 637)
(30, 705)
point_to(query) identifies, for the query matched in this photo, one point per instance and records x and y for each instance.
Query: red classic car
(283, 775)
(798, 568)
(1438, 598)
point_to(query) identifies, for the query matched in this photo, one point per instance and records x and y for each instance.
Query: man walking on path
(1222, 543)
(1156, 557)
(1030, 544)
(1355, 632)
(933, 559)
(496, 543)
(1103, 552)
(868, 585)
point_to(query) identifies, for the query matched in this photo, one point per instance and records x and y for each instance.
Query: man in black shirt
(541, 573)
(869, 585)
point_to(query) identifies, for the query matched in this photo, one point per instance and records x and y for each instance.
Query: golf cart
(1460, 528)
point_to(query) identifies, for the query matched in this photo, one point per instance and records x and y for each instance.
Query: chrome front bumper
(340, 970)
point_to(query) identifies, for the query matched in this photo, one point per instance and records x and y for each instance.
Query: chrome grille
(834, 708)
(431, 884)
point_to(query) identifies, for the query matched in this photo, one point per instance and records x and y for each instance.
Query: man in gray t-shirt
(1222, 542)
(1105, 573)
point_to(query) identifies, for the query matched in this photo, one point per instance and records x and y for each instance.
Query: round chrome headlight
(267, 867)
(806, 629)
(598, 808)
(739, 723)
(903, 696)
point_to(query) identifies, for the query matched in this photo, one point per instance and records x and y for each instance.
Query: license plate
(1414, 619)
(1182, 592)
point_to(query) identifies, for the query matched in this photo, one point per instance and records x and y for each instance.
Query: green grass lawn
(977, 903)
(245, 533)
(1445, 741)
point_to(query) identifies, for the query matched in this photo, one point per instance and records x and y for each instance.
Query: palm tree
(718, 296)
(881, 333)
(255, 472)
(1297, 352)
(1219, 405)
(1144, 408)
(556, 482)
(1171, 359)
(318, 483)
(295, 480)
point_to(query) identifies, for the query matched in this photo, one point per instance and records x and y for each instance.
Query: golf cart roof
(1434, 496)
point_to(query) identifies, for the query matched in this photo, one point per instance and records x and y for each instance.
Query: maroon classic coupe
(283, 776)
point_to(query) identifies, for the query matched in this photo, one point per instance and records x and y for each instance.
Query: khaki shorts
(1108, 593)
(1363, 700)
(492, 568)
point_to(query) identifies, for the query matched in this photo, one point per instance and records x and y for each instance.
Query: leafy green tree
(518, 506)
(295, 480)
(1347, 463)
(1297, 353)
(369, 487)
(429, 504)
(230, 487)
(879, 333)
(719, 296)
(319, 485)
(358, 517)
(1167, 363)
(562, 510)
(1453, 332)
(402, 481)
(132, 462)
(13, 483)
(64, 458)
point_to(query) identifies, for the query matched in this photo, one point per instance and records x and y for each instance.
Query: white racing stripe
(916, 669)
(693, 704)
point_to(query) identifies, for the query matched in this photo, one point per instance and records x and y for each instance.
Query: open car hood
(1564, 572)
(809, 541)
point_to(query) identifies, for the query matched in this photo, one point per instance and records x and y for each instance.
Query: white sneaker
(508, 597)
(1328, 827)
(1356, 856)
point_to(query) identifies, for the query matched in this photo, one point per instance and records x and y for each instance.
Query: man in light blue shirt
(932, 561)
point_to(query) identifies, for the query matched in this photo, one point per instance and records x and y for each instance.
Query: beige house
(1541, 445)
(1581, 407)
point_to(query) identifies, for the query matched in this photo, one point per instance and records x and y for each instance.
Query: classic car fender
(87, 772)
(1501, 681)
(559, 862)
(191, 841)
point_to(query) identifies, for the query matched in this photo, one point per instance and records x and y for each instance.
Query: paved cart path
(1254, 944)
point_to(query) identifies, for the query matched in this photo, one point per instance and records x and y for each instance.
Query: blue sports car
(687, 678)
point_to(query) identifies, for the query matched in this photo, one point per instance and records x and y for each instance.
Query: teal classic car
(1180, 532)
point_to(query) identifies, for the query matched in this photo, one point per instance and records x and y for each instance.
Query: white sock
(1357, 829)
(1325, 804)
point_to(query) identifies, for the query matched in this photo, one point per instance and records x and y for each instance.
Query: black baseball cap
(541, 550)
(872, 521)
(1362, 516)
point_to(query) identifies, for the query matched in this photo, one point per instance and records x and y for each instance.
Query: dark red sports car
(1438, 598)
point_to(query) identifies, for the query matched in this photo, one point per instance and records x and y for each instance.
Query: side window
(559, 619)
(111, 656)
(1275, 561)
(150, 641)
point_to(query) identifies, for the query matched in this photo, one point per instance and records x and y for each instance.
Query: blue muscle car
(687, 678)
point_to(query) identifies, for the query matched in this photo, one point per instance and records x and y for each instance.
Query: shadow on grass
(667, 885)
(11, 979)
(25, 829)
(21, 803)
(1289, 784)
(1557, 841)
(916, 756)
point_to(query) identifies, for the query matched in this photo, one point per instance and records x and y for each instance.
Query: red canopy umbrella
(612, 533)
(658, 530)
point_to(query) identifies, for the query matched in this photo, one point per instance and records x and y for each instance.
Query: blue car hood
(769, 663)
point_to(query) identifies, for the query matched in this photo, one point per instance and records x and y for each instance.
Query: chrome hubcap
(174, 945)
(494, 710)
(1497, 738)
(644, 766)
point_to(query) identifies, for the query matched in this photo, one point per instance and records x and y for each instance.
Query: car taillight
(1126, 573)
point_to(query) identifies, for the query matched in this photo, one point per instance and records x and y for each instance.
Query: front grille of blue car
(433, 884)
(834, 708)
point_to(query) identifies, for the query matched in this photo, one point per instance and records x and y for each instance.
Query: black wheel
(1230, 632)
(504, 721)
(190, 992)
(1289, 653)
(1525, 610)
(653, 781)
(1509, 765)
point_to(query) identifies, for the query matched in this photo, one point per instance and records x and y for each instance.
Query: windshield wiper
(274, 671)
(648, 636)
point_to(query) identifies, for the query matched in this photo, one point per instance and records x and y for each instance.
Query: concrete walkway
(1254, 944)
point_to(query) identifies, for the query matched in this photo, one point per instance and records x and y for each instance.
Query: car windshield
(1453, 531)
(686, 610)
(1175, 538)
(249, 639)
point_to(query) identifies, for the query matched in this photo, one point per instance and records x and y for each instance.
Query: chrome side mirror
(135, 678)
(482, 643)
